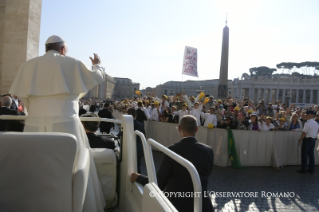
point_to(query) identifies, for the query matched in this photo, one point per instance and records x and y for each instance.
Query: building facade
(298, 89)
(191, 87)
(124, 88)
(103, 91)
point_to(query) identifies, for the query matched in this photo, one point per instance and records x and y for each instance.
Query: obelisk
(223, 72)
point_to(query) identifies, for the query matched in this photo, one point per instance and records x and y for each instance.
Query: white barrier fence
(265, 148)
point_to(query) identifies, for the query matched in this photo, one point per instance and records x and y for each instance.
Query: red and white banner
(190, 62)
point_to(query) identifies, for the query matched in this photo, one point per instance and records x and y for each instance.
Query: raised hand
(96, 59)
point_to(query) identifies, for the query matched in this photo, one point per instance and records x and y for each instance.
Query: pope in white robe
(50, 87)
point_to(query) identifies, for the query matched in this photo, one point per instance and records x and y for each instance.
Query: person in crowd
(20, 108)
(196, 112)
(261, 108)
(162, 102)
(249, 112)
(266, 124)
(282, 126)
(139, 146)
(270, 110)
(219, 111)
(10, 125)
(210, 103)
(295, 123)
(190, 101)
(227, 123)
(173, 177)
(317, 117)
(175, 117)
(156, 112)
(210, 117)
(81, 109)
(254, 123)
(105, 127)
(307, 143)
(243, 123)
(235, 116)
(54, 103)
(96, 141)
(169, 115)
(148, 108)
(182, 112)
(141, 113)
(86, 106)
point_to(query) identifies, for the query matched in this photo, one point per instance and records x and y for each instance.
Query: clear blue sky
(145, 40)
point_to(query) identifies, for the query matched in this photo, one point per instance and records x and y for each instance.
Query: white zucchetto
(54, 39)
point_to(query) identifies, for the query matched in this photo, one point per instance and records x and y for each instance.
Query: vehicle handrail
(151, 173)
(188, 165)
(20, 117)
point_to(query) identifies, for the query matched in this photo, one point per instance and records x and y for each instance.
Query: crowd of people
(240, 114)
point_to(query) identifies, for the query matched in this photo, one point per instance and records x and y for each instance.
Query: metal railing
(147, 146)
(18, 117)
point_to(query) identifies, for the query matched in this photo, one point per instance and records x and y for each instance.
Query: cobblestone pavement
(303, 188)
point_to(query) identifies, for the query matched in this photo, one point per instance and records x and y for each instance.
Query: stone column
(283, 96)
(270, 95)
(252, 93)
(277, 94)
(297, 96)
(304, 96)
(264, 94)
(290, 95)
(311, 96)
(258, 94)
(19, 37)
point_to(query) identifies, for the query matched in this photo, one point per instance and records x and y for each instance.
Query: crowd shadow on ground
(303, 189)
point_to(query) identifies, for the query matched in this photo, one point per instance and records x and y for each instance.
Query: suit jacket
(105, 126)
(97, 141)
(139, 146)
(173, 177)
(82, 111)
(11, 125)
(140, 116)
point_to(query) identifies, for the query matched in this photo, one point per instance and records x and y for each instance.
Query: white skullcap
(54, 39)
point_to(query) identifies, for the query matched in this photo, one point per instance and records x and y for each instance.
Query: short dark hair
(139, 104)
(106, 105)
(131, 112)
(54, 46)
(91, 126)
(188, 124)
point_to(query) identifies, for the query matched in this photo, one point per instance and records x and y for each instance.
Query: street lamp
(200, 90)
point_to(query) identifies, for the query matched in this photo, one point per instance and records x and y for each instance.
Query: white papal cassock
(50, 87)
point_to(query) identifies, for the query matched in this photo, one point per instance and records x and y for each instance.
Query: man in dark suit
(10, 125)
(95, 140)
(173, 177)
(140, 114)
(105, 127)
(139, 146)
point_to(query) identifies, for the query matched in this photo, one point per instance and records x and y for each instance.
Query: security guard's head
(188, 126)
(310, 114)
